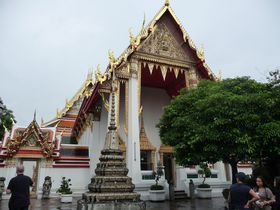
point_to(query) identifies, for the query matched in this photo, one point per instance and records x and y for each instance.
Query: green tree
(221, 120)
(6, 120)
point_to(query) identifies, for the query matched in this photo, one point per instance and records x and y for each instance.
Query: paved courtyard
(197, 204)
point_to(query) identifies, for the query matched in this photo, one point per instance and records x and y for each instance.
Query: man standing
(19, 187)
(240, 194)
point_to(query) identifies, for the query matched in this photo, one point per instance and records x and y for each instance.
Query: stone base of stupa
(111, 205)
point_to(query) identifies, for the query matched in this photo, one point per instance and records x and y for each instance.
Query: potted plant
(65, 191)
(157, 192)
(204, 190)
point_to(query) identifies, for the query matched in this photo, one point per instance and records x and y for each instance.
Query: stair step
(180, 195)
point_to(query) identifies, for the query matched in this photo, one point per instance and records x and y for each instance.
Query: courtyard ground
(196, 204)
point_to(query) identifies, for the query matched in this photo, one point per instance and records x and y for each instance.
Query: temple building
(160, 61)
(49, 149)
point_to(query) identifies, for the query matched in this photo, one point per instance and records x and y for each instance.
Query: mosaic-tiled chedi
(111, 183)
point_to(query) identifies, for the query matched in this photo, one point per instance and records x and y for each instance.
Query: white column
(220, 167)
(109, 111)
(133, 144)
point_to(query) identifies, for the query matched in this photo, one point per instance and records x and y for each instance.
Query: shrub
(204, 186)
(64, 187)
(156, 187)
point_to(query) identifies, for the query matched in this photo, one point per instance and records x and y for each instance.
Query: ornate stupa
(111, 188)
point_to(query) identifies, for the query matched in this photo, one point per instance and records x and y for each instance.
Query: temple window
(147, 150)
(146, 160)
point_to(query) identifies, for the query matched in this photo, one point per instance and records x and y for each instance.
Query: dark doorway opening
(168, 167)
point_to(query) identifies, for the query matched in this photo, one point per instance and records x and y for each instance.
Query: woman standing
(266, 196)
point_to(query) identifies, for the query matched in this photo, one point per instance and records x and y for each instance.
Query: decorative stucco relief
(162, 42)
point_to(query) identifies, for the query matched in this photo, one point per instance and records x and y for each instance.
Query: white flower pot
(66, 198)
(204, 192)
(157, 195)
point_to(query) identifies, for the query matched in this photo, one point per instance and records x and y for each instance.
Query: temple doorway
(31, 169)
(168, 167)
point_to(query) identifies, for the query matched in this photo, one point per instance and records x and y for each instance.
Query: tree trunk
(234, 170)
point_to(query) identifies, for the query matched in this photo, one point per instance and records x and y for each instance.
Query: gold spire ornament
(112, 59)
(167, 3)
(34, 117)
(200, 53)
(134, 41)
(98, 75)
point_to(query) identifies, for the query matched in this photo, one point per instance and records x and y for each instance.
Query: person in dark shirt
(19, 187)
(239, 195)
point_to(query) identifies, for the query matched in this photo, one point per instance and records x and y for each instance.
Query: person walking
(19, 187)
(240, 194)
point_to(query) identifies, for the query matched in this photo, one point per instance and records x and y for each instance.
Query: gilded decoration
(75, 102)
(46, 163)
(187, 79)
(161, 42)
(145, 143)
(165, 149)
(10, 163)
(105, 87)
(156, 39)
(31, 137)
(123, 72)
(99, 76)
(122, 146)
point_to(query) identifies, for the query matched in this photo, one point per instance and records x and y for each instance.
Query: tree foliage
(230, 120)
(7, 119)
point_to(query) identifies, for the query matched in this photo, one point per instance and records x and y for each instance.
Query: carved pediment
(162, 42)
(31, 141)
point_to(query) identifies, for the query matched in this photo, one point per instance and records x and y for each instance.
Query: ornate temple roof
(34, 141)
(136, 41)
(72, 106)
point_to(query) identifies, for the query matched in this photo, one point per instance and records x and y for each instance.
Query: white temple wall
(8, 173)
(102, 131)
(153, 100)
(94, 138)
(80, 178)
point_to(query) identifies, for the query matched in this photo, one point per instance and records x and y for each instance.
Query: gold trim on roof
(84, 91)
(135, 41)
(122, 145)
(145, 144)
(165, 149)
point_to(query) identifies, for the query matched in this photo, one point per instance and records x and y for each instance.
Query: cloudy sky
(47, 46)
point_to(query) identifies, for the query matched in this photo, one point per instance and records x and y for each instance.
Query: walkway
(206, 204)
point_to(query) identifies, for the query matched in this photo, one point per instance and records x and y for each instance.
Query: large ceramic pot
(204, 192)
(66, 198)
(157, 195)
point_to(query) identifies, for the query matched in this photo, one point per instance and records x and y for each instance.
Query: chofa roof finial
(34, 117)
(166, 3)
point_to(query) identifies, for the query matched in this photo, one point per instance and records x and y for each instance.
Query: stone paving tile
(196, 204)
